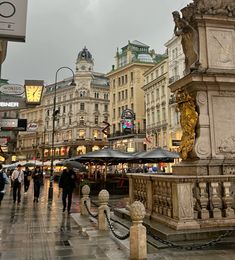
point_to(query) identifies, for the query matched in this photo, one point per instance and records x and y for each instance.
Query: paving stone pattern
(41, 231)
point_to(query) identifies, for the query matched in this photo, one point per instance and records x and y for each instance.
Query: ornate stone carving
(228, 145)
(189, 41)
(137, 211)
(103, 197)
(85, 190)
(186, 26)
(216, 7)
(188, 120)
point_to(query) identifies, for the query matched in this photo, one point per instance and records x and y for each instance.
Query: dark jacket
(67, 179)
(37, 176)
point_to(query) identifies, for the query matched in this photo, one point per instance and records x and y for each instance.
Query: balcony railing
(185, 202)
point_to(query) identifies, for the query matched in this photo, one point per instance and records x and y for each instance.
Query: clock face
(33, 94)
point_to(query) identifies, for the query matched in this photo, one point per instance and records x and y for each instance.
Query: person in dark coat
(3, 180)
(38, 180)
(67, 183)
(27, 175)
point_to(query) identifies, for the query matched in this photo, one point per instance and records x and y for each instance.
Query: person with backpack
(3, 180)
(17, 179)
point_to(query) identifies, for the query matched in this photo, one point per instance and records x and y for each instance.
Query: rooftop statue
(186, 26)
(189, 41)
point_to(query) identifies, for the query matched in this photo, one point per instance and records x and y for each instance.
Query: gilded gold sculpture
(188, 120)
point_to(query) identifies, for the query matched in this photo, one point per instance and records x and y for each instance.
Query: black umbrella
(72, 164)
(157, 155)
(104, 156)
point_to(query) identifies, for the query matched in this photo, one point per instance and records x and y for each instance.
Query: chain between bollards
(113, 230)
(90, 213)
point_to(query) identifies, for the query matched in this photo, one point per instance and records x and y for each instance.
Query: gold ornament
(188, 120)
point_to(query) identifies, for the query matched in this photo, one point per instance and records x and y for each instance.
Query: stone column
(138, 241)
(85, 198)
(103, 200)
(183, 206)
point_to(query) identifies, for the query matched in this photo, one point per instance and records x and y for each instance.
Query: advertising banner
(13, 19)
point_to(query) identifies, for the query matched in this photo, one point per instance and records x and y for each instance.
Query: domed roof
(85, 55)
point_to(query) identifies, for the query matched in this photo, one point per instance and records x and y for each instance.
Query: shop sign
(32, 127)
(9, 104)
(12, 89)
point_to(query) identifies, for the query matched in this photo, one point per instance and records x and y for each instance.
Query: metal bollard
(85, 198)
(103, 200)
(138, 240)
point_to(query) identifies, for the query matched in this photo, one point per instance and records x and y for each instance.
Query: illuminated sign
(13, 124)
(13, 19)
(9, 104)
(128, 117)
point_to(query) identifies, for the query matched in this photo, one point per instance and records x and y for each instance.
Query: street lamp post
(55, 112)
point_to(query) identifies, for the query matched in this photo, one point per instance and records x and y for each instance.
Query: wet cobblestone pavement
(41, 231)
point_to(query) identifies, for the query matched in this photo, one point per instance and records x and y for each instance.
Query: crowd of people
(20, 179)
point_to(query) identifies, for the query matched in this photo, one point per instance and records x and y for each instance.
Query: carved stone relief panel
(221, 50)
(224, 125)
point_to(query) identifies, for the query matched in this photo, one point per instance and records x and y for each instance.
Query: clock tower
(85, 62)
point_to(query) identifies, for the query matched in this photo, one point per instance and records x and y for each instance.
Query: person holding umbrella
(67, 184)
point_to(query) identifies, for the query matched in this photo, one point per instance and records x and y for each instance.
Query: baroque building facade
(156, 94)
(80, 113)
(126, 79)
(176, 70)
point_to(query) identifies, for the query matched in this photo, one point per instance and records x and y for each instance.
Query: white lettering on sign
(9, 104)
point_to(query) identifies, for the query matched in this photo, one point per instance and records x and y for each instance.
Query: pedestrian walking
(27, 174)
(67, 183)
(17, 180)
(3, 180)
(37, 180)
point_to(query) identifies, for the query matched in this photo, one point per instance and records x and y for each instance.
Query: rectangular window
(119, 111)
(119, 96)
(96, 120)
(70, 121)
(132, 76)
(114, 83)
(132, 92)
(114, 111)
(63, 121)
(96, 107)
(125, 79)
(64, 109)
(105, 108)
(82, 106)
(114, 97)
(126, 93)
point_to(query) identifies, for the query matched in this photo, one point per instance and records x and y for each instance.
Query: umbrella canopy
(157, 155)
(104, 155)
(72, 164)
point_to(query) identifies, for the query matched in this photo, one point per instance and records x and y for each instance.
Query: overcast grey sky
(58, 29)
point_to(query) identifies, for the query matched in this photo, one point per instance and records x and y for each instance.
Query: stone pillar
(228, 200)
(138, 240)
(85, 198)
(103, 200)
(183, 206)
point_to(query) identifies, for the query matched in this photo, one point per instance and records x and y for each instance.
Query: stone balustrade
(185, 202)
